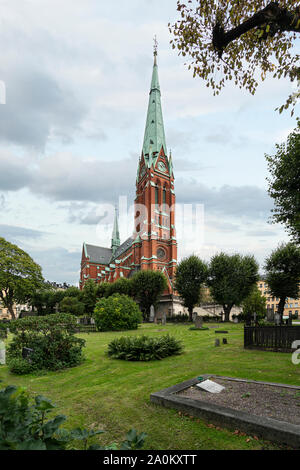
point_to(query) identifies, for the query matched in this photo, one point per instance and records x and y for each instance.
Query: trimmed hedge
(144, 348)
(117, 313)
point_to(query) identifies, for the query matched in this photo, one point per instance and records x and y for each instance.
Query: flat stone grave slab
(224, 332)
(268, 410)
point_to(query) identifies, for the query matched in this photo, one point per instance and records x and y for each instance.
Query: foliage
(3, 330)
(20, 276)
(284, 187)
(117, 313)
(231, 279)
(239, 40)
(283, 273)
(51, 339)
(144, 348)
(24, 425)
(71, 305)
(101, 290)
(121, 286)
(147, 288)
(88, 297)
(190, 275)
(45, 301)
(254, 303)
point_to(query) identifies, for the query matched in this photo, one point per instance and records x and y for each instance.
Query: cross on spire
(155, 49)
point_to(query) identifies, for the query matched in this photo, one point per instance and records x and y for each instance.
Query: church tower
(155, 245)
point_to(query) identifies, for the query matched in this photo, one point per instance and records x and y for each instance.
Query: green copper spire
(154, 133)
(115, 241)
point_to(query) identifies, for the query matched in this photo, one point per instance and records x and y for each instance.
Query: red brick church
(153, 243)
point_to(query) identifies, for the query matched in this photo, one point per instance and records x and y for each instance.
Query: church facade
(153, 244)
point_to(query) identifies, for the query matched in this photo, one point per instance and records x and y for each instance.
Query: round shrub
(144, 348)
(117, 313)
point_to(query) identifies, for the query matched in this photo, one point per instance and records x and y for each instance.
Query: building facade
(153, 244)
(292, 306)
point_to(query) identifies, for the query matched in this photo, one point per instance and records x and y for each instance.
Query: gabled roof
(124, 247)
(98, 254)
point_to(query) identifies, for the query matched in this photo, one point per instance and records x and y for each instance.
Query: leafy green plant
(24, 425)
(144, 348)
(246, 395)
(51, 339)
(117, 313)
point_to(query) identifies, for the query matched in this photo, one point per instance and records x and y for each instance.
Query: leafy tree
(147, 288)
(46, 300)
(20, 276)
(101, 289)
(254, 303)
(71, 305)
(237, 40)
(231, 279)
(89, 297)
(73, 292)
(283, 273)
(121, 286)
(190, 275)
(284, 186)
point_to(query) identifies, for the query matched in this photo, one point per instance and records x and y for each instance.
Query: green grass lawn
(115, 395)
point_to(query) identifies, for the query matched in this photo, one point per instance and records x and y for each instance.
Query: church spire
(115, 241)
(154, 138)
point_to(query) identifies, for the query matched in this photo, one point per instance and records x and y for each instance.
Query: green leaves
(117, 313)
(226, 40)
(23, 426)
(191, 274)
(144, 348)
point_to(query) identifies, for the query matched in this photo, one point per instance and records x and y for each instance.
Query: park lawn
(114, 395)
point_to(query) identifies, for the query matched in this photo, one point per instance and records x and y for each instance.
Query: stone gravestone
(164, 319)
(152, 314)
(198, 322)
(290, 323)
(277, 319)
(194, 316)
(236, 320)
(217, 343)
(2, 353)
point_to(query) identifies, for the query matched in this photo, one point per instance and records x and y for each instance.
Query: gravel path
(279, 403)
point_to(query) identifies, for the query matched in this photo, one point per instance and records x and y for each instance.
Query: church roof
(124, 247)
(98, 254)
(154, 138)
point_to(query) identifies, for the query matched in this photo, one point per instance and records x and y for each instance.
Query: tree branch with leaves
(238, 41)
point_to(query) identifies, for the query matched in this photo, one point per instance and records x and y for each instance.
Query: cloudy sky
(77, 76)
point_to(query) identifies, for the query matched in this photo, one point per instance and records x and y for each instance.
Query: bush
(72, 306)
(51, 339)
(20, 366)
(24, 426)
(3, 330)
(117, 313)
(144, 348)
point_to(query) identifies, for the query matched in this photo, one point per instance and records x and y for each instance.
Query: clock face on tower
(162, 167)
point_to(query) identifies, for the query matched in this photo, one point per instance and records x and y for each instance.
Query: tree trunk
(190, 309)
(281, 308)
(11, 311)
(227, 310)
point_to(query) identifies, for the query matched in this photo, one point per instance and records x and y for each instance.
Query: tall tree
(282, 269)
(191, 273)
(88, 296)
(254, 303)
(239, 40)
(231, 279)
(20, 276)
(284, 183)
(147, 288)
